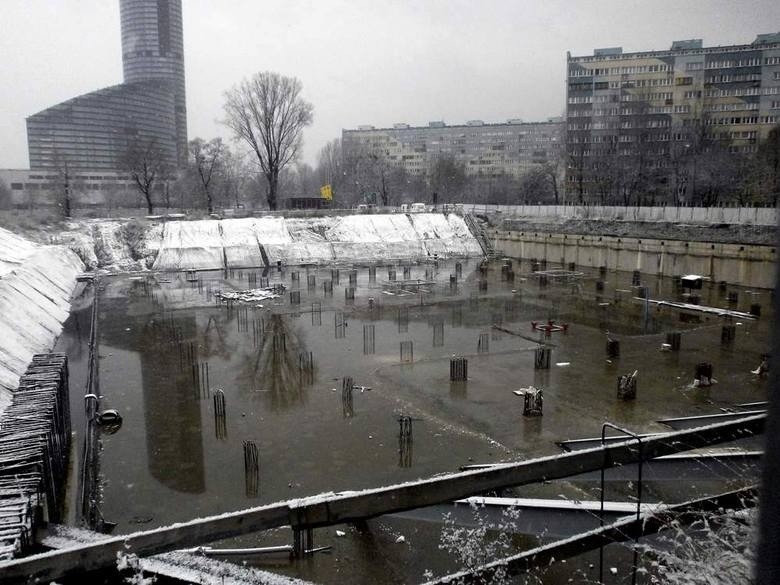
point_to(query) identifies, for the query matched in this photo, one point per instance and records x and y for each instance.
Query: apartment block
(486, 150)
(656, 107)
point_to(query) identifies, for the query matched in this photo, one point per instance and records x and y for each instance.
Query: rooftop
(470, 124)
(681, 47)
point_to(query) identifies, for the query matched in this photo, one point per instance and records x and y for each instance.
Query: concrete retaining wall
(705, 215)
(746, 265)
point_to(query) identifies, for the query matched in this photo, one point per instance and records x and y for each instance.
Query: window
(17, 186)
(696, 66)
(684, 81)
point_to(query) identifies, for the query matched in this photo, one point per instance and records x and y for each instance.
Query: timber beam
(329, 509)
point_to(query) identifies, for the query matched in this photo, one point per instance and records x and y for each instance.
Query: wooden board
(330, 509)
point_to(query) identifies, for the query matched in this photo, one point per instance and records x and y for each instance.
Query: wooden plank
(699, 308)
(761, 404)
(329, 509)
(619, 531)
(190, 566)
(590, 442)
(690, 422)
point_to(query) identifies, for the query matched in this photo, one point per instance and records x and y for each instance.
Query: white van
(417, 208)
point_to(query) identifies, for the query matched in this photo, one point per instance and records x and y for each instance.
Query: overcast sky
(360, 61)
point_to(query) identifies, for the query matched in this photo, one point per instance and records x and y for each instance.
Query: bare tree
(239, 185)
(65, 181)
(305, 180)
(447, 178)
(144, 162)
(371, 175)
(330, 166)
(5, 196)
(269, 114)
(768, 163)
(207, 159)
(534, 187)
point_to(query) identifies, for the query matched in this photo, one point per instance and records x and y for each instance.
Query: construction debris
(251, 295)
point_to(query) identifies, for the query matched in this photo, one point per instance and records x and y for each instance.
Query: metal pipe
(638, 500)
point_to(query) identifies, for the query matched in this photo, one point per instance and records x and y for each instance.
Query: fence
(704, 215)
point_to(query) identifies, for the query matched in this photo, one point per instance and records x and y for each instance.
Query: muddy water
(171, 461)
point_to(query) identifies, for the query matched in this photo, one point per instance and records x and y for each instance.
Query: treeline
(698, 169)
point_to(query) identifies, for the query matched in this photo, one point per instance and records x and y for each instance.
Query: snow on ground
(82, 243)
(194, 245)
(36, 284)
(124, 246)
(112, 249)
(14, 250)
(240, 244)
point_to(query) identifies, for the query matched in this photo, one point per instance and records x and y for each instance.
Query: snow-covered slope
(14, 250)
(235, 243)
(36, 283)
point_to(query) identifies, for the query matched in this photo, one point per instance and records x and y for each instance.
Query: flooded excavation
(243, 387)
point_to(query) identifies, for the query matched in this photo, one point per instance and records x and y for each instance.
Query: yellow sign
(326, 192)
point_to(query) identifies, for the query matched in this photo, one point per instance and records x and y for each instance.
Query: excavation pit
(173, 459)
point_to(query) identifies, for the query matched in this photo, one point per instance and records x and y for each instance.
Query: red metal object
(549, 327)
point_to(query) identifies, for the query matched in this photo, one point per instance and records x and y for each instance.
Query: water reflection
(171, 410)
(273, 369)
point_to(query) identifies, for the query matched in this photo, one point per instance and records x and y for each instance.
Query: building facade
(93, 132)
(652, 114)
(486, 150)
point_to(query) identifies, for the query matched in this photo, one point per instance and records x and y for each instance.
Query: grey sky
(360, 61)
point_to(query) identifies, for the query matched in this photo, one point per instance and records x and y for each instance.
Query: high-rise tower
(153, 50)
(95, 130)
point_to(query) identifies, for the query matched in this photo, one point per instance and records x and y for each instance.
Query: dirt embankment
(718, 233)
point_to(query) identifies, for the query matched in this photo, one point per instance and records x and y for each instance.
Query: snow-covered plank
(179, 565)
(329, 509)
(699, 308)
(689, 422)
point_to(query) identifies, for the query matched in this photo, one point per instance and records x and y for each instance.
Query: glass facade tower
(95, 130)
